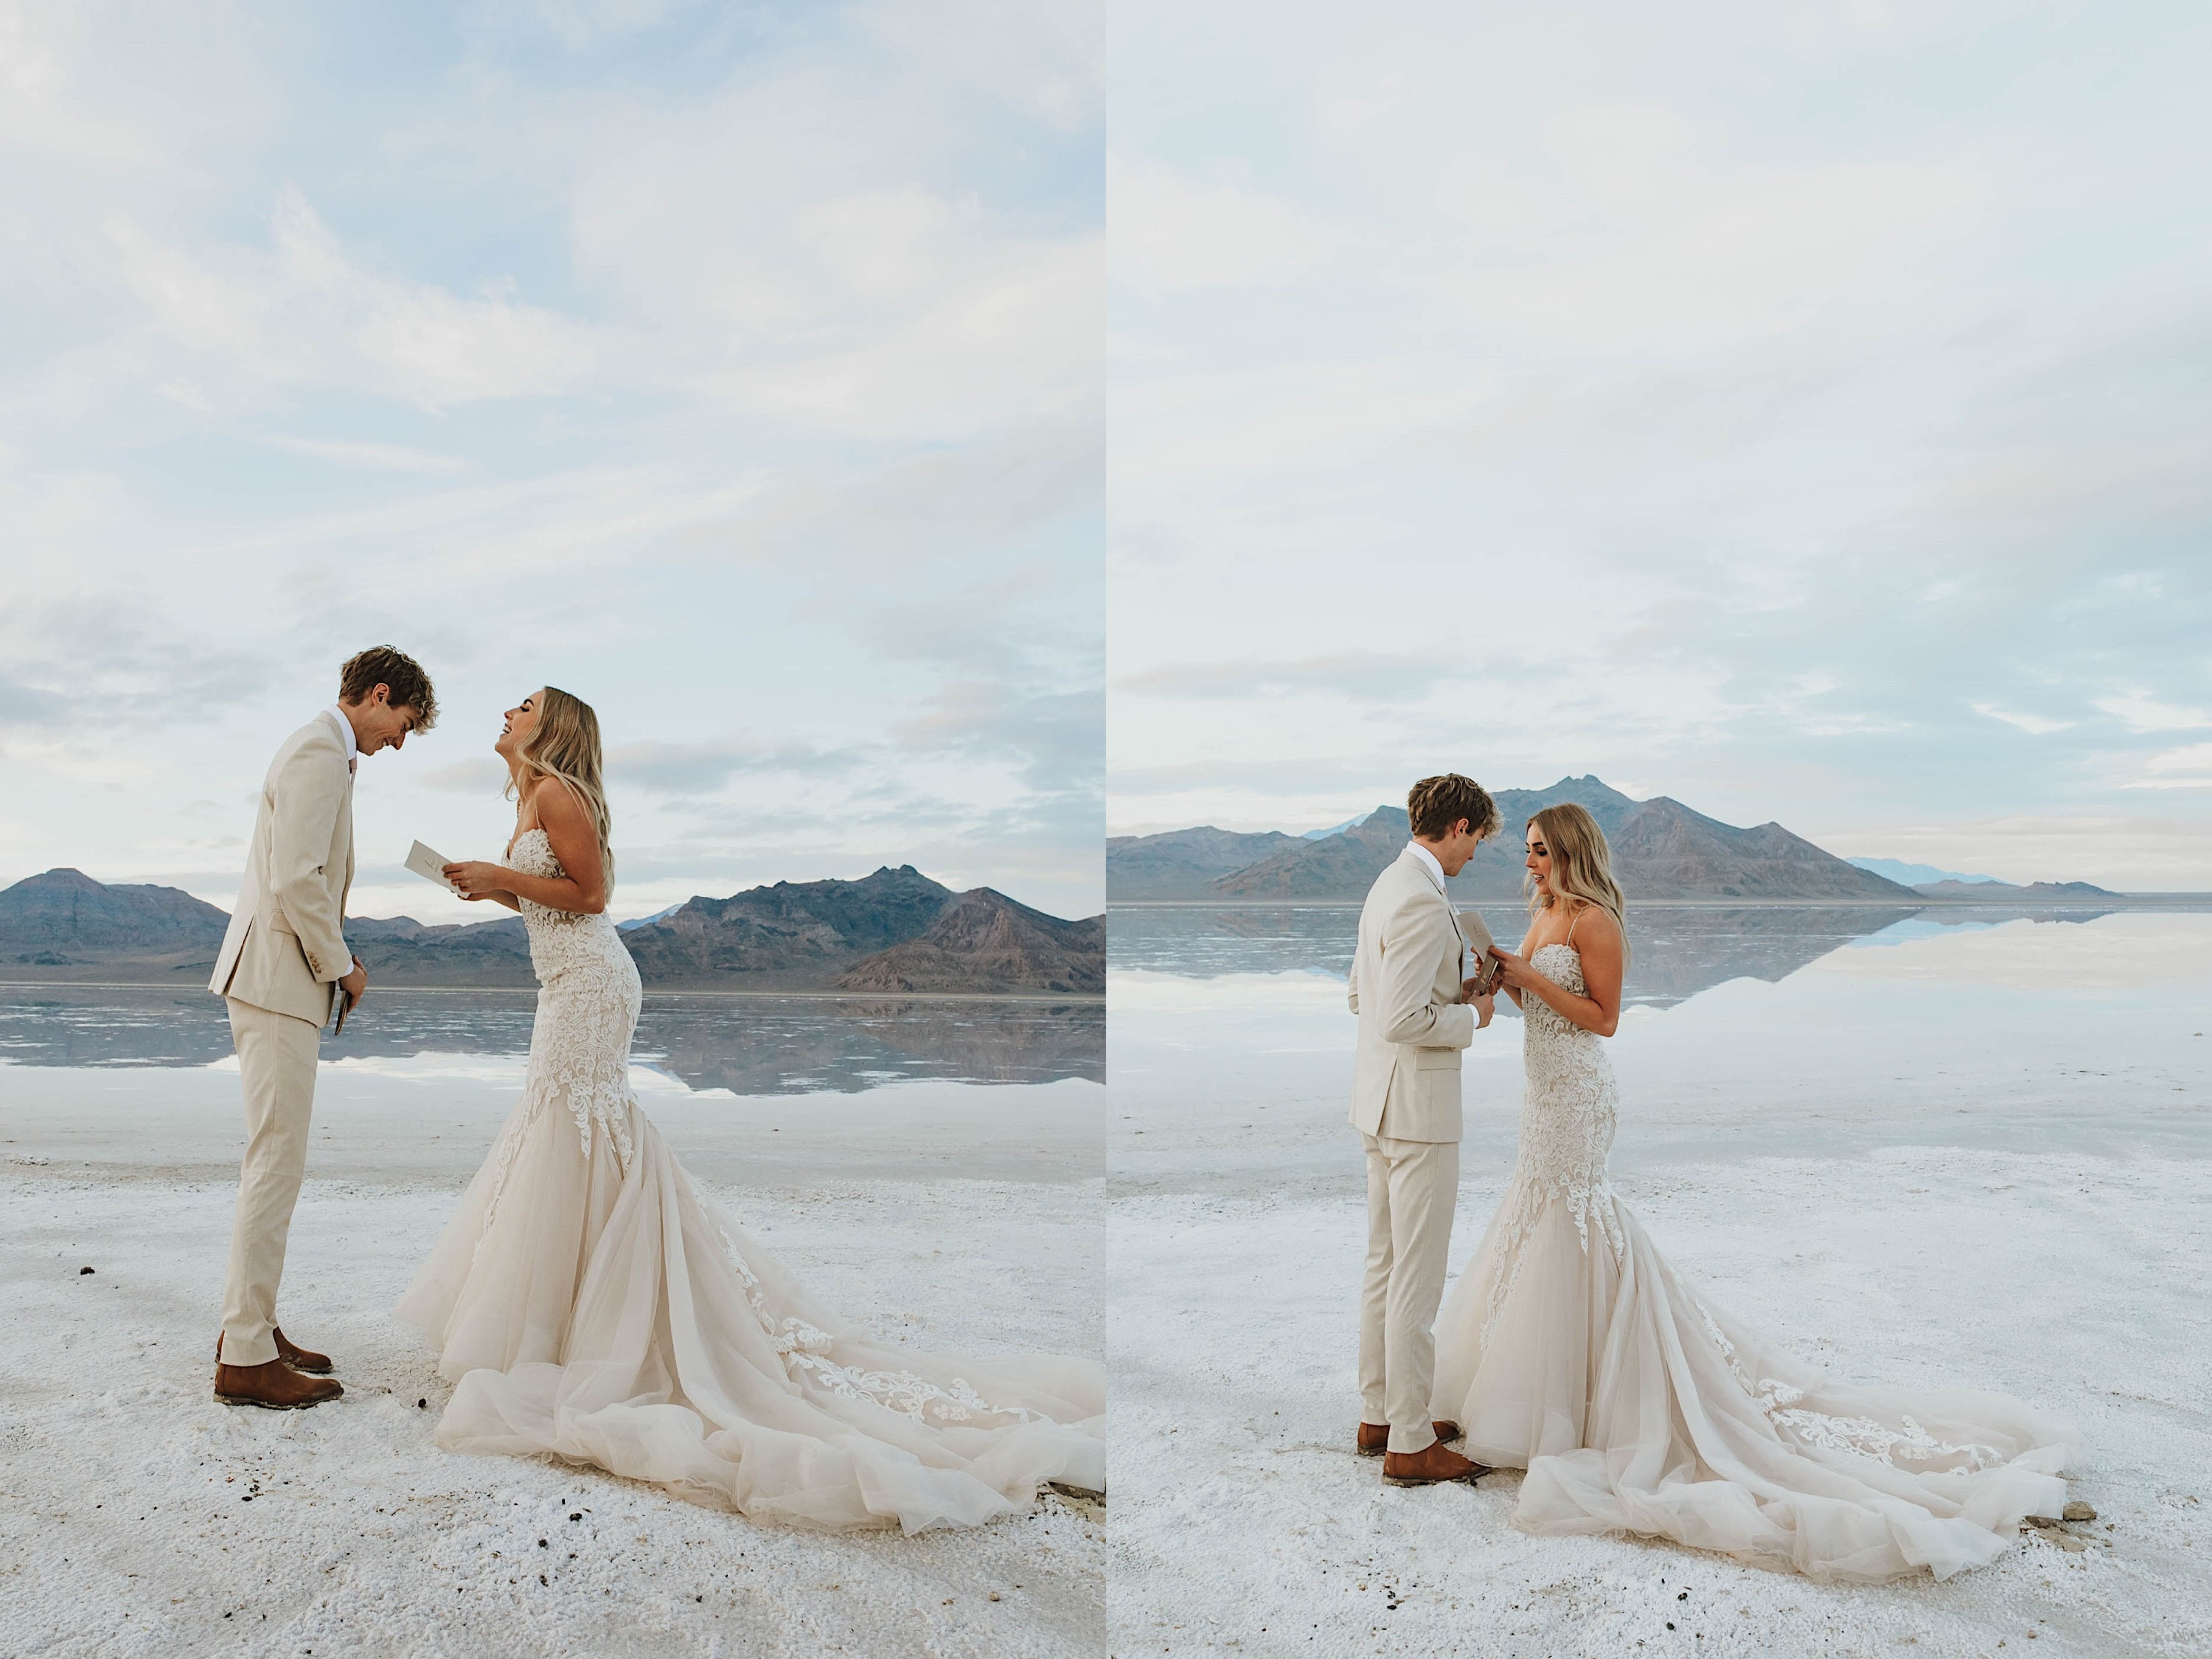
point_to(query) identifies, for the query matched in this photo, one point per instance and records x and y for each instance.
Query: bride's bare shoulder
(1593, 922)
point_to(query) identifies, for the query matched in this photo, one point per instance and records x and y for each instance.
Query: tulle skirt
(1636, 1406)
(588, 1303)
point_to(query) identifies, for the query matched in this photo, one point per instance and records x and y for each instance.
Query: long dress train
(1569, 1347)
(589, 1303)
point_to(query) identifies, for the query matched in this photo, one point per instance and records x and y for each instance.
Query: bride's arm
(575, 842)
(1599, 941)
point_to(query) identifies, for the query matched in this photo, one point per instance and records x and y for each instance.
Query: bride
(1570, 1348)
(590, 1303)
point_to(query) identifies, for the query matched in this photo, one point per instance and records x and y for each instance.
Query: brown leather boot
(275, 1385)
(1375, 1437)
(1429, 1467)
(299, 1359)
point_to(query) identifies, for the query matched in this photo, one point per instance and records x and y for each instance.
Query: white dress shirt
(1466, 962)
(353, 748)
(1431, 859)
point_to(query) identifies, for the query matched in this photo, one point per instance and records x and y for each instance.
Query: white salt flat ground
(939, 1215)
(1980, 1159)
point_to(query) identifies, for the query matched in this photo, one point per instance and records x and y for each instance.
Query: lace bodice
(587, 1007)
(563, 941)
(1568, 1112)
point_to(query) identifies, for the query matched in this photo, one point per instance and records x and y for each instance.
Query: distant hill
(984, 941)
(1334, 829)
(1661, 850)
(793, 935)
(2005, 892)
(1915, 875)
(1180, 864)
(401, 951)
(65, 926)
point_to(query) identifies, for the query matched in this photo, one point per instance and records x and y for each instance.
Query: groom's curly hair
(399, 674)
(1436, 804)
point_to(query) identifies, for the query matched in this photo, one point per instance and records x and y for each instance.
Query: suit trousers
(1412, 1187)
(277, 1067)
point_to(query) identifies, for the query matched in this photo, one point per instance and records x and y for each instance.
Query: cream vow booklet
(430, 866)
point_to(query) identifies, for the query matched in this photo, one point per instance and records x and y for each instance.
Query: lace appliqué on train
(804, 1349)
(1909, 1445)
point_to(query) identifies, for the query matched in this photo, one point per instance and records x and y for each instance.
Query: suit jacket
(285, 948)
(1406, 990)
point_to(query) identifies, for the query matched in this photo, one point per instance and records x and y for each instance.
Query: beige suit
(1406, 980)
(281, 959)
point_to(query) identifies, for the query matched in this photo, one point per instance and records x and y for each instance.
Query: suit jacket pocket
(274, 919)
(1436, 1060)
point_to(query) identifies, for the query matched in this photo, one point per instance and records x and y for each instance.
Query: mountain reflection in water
(1676, 951)
(749, 1046)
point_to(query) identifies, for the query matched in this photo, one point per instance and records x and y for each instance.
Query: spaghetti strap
(1580, 912)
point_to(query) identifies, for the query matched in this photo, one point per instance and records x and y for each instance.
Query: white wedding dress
(1571, 1349)
(589, 1303)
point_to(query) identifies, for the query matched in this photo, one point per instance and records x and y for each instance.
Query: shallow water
(739, 1045)
(1756, 1031)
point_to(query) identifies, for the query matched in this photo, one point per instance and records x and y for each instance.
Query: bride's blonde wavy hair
(564, 745)
(1582, 865)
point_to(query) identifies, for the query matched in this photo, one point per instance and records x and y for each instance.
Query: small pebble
(82, 1272)
(995, 1595)
(421, 1405)
(576, 1515)
(2076, 1509)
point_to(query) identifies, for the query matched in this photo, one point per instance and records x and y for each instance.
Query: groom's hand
(1470, 993)
(354, 984)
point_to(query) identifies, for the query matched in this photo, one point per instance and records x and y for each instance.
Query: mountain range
(1661, 849)
(895, 931)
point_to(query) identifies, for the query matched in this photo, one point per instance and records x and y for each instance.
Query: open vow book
(1478, 962)
(430, 866)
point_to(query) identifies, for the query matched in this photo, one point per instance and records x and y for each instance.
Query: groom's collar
(346, 735)
(1436, 867)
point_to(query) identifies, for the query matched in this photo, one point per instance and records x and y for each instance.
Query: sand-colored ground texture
(1984, 1162)
(141, 1518)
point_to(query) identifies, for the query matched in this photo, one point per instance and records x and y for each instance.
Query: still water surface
(747, 1046)
(1753, 1031)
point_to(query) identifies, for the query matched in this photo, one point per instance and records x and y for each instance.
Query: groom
(1412, 988)
(283, 967)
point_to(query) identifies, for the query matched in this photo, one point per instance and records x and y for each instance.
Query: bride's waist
(563, 949)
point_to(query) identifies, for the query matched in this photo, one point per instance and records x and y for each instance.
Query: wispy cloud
(2036, 725)
(2144, 712)
(1570, 414)
(700, 769)
(740, 374)
(387, 458)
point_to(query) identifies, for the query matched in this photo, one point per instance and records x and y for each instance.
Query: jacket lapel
(1421, 868)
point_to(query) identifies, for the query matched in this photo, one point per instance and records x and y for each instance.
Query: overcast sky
(1799, 410)
(736, 370)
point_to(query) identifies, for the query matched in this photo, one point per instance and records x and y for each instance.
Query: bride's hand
(476, 880)
(1515, 973)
